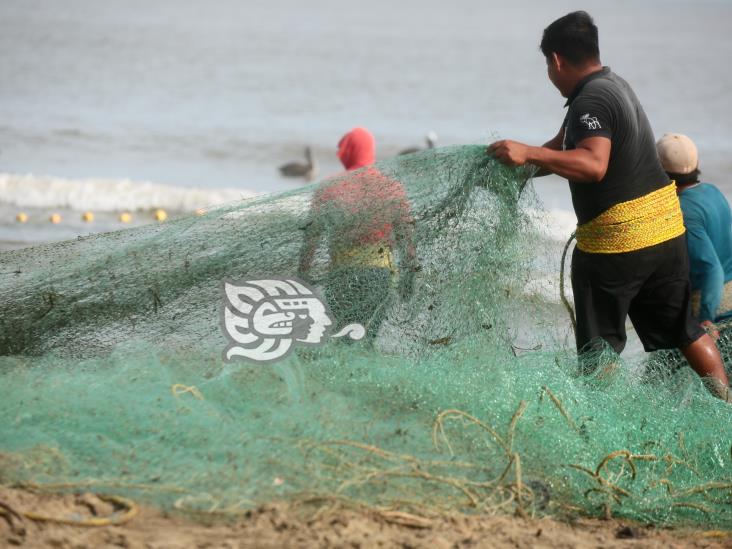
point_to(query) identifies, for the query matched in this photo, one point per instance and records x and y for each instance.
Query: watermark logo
(264, 319)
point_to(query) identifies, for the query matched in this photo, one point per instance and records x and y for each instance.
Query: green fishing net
(126, 367)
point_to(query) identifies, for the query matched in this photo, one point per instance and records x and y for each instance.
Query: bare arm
(588, 162)
(555, 144)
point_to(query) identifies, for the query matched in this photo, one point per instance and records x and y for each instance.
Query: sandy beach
(282, 525)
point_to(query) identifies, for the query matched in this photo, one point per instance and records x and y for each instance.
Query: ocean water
(181, 104)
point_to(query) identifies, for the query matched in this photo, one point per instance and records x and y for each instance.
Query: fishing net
(129, 367)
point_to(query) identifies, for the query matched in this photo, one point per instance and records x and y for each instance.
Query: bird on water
(308, 169)
(430, 140)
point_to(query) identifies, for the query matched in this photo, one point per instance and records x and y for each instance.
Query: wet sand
(281, 525)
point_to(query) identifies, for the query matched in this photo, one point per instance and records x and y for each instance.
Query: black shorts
(649, 285)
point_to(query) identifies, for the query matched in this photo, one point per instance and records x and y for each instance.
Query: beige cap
(678, 153)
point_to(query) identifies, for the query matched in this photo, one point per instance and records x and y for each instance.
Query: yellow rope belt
(365, 255)
(633, 225)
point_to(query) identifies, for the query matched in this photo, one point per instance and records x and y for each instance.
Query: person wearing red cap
(366, 217)
(357, 149)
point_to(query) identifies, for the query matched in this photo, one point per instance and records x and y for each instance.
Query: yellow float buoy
(22, 217)
(160, 215)
(88, 217)
(200, 211)
(125, 217)
(55, 218)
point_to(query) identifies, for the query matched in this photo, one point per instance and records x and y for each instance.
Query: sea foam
(33, 191)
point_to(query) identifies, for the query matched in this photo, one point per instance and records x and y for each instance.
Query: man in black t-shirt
(630, 258)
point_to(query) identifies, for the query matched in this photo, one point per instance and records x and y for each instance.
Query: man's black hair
(574, 37)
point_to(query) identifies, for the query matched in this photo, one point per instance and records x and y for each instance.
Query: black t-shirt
(604, 105)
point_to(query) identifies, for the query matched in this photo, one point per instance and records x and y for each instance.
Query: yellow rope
(365, 255)
(179, 389)
(562, 293)
(129, 514)
(438, 427)
(715, 534)
(560, 407)
(633, 225)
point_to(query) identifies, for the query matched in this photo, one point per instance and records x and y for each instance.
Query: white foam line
(32, 191)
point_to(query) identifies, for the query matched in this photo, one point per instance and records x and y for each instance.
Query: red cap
(357, 149)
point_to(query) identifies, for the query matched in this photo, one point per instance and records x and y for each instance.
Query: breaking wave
(33, 191)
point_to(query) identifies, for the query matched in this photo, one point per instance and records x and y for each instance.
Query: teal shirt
(709, 239)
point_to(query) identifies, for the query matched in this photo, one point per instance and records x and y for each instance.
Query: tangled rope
(562, 294)
(125, 511)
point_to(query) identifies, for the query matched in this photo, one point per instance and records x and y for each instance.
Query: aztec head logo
(263, 319)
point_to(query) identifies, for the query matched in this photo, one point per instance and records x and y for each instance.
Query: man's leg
(602, 295)
(661, 314)
(704, 358)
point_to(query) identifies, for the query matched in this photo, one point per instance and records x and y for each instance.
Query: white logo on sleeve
(591, 122)
(263, 319)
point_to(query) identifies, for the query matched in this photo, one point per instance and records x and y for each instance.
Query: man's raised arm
(587, 162)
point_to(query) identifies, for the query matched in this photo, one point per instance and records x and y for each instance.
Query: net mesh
(464, 394)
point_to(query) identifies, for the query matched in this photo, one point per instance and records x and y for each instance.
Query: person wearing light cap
(708, 222)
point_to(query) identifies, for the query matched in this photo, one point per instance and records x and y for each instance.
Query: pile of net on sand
(462, 396)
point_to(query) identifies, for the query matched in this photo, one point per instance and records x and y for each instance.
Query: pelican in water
(430, 139)
(308, 170)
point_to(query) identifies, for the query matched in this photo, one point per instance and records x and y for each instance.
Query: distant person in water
(366, 218)
(708, 222)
